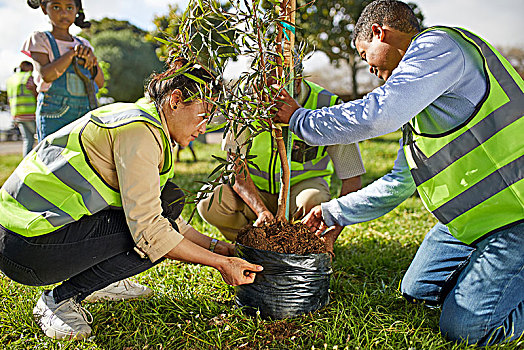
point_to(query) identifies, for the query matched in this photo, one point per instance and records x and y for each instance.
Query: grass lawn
(193, 308)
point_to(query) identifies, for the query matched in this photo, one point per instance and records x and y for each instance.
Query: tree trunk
(286, 46)
(353, 63)
(284, 180)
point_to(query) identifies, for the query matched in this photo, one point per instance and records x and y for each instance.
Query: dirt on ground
(282, 238)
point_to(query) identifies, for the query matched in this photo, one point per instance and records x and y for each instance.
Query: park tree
(130, 61)
(166, 26)
(110, 24)
(327, 25)
(3, 100)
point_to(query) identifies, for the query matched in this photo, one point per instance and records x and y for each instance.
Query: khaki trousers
(232, 213)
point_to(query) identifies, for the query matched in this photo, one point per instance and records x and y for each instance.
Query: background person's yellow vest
(306, 161)
(21, 99)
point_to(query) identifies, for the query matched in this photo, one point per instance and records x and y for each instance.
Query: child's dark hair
(80, 17)
(161, 84)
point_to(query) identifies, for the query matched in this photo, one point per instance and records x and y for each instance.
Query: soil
(282, 238)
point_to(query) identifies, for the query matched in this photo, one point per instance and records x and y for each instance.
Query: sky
(500, 22)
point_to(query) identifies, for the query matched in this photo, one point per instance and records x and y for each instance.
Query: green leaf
(220, 159)
(197, 79)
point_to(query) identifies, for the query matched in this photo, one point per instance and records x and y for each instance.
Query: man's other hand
(263, 217)
(314, 220)
(286, 106)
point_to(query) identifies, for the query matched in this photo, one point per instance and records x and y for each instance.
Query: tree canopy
(110, 24)
(131, 61)
(327, 25)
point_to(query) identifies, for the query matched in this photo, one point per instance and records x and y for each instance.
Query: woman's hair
(80, 17)
(188, 80)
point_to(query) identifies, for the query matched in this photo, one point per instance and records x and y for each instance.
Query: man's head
(383, 33)
(26, 66)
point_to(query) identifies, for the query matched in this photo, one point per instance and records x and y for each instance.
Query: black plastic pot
(290, 284)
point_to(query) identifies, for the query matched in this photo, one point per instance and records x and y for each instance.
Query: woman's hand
(236, 271)
(225, 248)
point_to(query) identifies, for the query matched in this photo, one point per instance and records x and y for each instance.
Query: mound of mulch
(282, 237)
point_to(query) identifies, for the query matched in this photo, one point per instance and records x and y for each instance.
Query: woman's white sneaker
(121, 290)
(65, 320)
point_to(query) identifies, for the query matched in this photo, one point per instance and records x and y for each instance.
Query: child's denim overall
(65, 101)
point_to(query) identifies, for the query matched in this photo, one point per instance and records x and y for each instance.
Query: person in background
(21, 92)
(254, 198)
(62, 95)
(180, 148)
(460, 104)
(93, 204)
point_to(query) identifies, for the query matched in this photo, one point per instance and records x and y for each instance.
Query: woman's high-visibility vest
(471, 177)
(22, 102)
(306, 161)
(55, 184)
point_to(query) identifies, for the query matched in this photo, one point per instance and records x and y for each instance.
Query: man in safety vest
(21, 92)
(461, 105)
(255, 198)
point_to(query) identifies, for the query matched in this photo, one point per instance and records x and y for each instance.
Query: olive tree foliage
(327, 25)
(211, 34)
(166, 27)
(130, 60)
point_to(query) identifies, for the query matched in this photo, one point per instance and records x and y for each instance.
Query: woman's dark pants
(87, 255)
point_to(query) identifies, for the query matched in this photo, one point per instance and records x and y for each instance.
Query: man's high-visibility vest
(471, 177)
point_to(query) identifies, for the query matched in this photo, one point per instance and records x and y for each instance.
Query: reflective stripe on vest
(21, 99)
(470, 177)
(56, 184)
(318, 164)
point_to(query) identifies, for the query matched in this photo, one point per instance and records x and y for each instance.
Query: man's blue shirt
(440, 75)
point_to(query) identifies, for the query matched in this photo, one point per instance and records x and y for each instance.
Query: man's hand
(237, 271)
(330, 237)
(314, 220)
(263, 217)
(286, 106)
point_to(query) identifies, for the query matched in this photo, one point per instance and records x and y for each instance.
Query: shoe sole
(57, 334)
(111, 297)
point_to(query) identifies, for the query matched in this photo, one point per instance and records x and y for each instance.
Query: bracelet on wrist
(213, 245)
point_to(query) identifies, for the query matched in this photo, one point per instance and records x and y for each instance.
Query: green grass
(193, 308)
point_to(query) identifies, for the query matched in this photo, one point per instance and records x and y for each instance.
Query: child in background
(62, 95)
(180, 148)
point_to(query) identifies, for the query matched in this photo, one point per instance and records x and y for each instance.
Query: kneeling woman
(85, 206)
